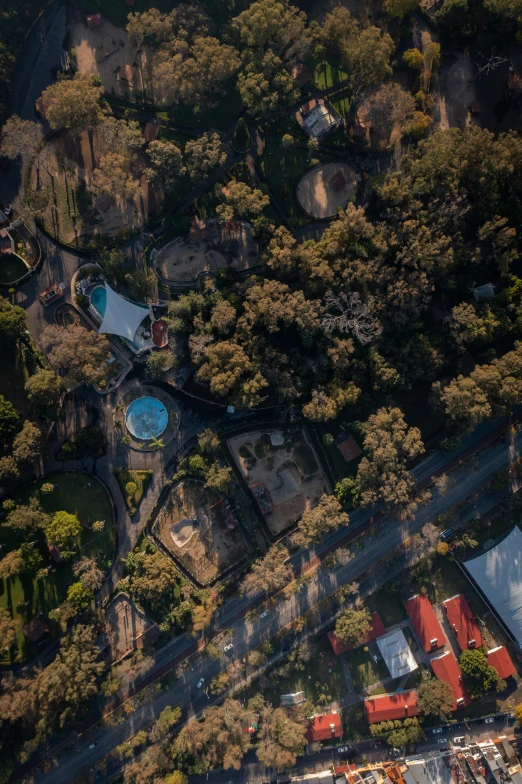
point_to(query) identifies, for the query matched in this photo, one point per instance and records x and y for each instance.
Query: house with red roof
(461, 620)
(324, 727)
(446, 668)
(500, 659)
(425, 622)
(377, 630)
(385, 707)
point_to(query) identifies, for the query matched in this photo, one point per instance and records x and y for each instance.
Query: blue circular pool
(146, 418)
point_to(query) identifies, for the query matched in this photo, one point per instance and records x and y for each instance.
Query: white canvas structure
(397, 654)
(122, 317)
(498, 574)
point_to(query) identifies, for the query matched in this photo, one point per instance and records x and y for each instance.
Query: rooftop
(447, 669)
(385, 707)
(317, 118)
(397, 654)
(324, 727)
(425, 622)
(461, 620)
(430, 770)
(500, 659)
(349, 449)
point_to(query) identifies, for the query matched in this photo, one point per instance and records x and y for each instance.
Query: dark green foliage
(9, 419)
(241, 139)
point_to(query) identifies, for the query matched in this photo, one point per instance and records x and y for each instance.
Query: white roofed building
(397, 654)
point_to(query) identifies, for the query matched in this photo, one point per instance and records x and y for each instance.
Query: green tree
(352, 626)
(43, 388)
(167, 165)
(8, 418)
(270, 573)
(115, 176)
(327, 516)
(27, 517)
(478, 675)
(241, 140)
(168, 718)
(73, 103)
(11, 565)
(153, 580)
(204, 154)
(176, 778)
(272, 25)
(160, 362)
(112, 261)
(142, 284)
(27, 444)
(130, 488)
(80, 353)
(63, 532)
(79, 596)
(219, 478)
(348, 493)
(220, 683)
(401, 8)
(389, 446)
(7, 633)
(266, 86)
(435, 698)
(241, 201)
(413, 59)
(89, 574)
(13, 323)
(281, 737)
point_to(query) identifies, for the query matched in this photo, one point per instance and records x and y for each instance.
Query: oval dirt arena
(324, 189)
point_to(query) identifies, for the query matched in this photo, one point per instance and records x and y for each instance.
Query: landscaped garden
(44, 587)
(133, 485)
(363, 669)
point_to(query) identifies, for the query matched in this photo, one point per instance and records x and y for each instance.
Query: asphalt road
(247, 634)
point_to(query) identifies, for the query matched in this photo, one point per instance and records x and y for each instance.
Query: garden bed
(140, 478)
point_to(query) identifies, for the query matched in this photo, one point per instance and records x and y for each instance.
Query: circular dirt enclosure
(325, 189)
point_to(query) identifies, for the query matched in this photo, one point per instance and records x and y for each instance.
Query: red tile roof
(500, 659)
(349, 448)
(425, 622)
(461, 621)
(391, 706)
(447, 669)
(377, 630)
(159, 333)
(324, 727)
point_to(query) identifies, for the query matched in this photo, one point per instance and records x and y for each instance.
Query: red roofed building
(462, 622)
(500, 659)
(447, 669)
(377, 630)
(386, 707)
(425, 622)
(324, 727)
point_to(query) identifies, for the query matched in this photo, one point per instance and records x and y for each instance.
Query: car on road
(342, 749)
(228, 647)
(489, 721)
(437, 730)
(442, 740)
(201, 682)
(93, 744)
(447, 534)
(264, 614)
(459, 740)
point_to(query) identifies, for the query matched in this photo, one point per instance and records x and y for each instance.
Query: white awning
(122, 317)
(498, 574)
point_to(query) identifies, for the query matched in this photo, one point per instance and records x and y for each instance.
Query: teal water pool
(99, 299)
(146, 418)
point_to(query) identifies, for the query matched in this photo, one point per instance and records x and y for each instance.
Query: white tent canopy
(122, 317)
(498, 574)
(397, 654)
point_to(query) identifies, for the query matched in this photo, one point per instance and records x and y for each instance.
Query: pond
(12, 268)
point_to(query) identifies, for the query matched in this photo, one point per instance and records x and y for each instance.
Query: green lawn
(141, 479)
(389, 606)
(415, 678)
(355, 726)
(386, 688)
(341, 101)
(322, 677)
(327, 74)
(283, 169)
(71, 494)
(363, 669)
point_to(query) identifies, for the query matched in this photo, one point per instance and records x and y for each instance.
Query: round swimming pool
(99, 299)
(146, 418)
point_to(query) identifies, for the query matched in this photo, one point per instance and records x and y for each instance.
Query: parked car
(93, 744)
(264, 614)
(447, 534)
(342, 749)
(437, 730)
(489, 721)
(442, 740)
(228, 647)
(201, 682)
(459, 740)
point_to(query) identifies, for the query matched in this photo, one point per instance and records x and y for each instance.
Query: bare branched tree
(485, 65)
(350, 314)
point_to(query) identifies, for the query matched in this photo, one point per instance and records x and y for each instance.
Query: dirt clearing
(283, 473)
(326, 189)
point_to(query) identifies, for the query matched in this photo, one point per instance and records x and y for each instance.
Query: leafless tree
(485, 65)
(350, 314)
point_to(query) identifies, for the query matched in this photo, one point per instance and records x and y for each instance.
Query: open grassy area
(78, 493)
(141, 479)
(389, 606)
(327, 74)
(363, 669)
(355, 727)
(386, 688)
(283, 168)
(322, 679)
(341, 101)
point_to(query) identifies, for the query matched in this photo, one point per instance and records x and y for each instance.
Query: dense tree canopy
(73, 103)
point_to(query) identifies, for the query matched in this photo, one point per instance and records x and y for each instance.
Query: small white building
(397, 654)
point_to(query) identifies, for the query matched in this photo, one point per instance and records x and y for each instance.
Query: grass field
(389, 606)
(327, 74)
(141, 479)
(355, 727)
(341, 101)
(322, 679)
(363, 669)
(24, 596)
